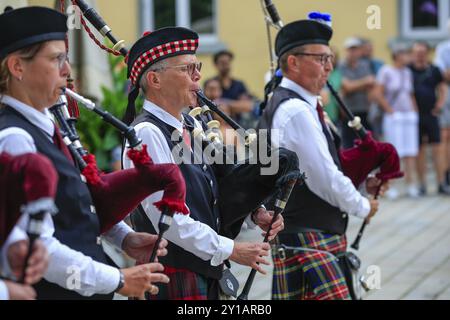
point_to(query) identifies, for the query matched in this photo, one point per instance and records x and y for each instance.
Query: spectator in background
(357, 83)
(367, 55)
(375, 116)
(234, 92)
(395, 95)
(335, 79)
(430, 93)
(443, 62)
(116, 158)
(213, 91)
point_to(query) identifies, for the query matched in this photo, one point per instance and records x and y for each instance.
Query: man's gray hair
(156, 66)
(284, 57)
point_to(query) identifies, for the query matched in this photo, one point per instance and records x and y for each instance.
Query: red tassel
(139, 157)
(174, 205)
(91, 172)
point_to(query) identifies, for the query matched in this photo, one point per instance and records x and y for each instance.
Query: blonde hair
(5, 76)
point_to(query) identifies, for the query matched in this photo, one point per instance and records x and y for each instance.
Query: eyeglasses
(60, 59)
(188, 68)
(324, 58)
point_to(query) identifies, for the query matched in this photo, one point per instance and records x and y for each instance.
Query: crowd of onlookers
(404, 101)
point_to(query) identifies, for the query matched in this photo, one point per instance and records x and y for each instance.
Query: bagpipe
(117, 194)
(242, 187)
(211, 138)
(28, 186)
(367, 155)
(358, 162)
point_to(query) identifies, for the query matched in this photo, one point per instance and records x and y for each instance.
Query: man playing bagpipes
(164, 66)
(316, 217)
(27, 189)
(33, 69)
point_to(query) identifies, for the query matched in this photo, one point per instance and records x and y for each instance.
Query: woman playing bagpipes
(33, 70)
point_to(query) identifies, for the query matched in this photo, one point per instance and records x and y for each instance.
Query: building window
(424, 19)
(166, 13)
(203, 16)
(198, 15)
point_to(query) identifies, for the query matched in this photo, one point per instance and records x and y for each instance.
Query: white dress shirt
(193, 236)
(300, 131)
(95, 277)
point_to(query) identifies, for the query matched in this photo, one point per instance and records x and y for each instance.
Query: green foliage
(99, 137)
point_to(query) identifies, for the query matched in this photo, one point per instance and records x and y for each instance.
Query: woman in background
(394, 92)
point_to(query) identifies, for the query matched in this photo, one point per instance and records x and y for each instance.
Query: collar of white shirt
(42, 120)
(163, 115)
(305, 94)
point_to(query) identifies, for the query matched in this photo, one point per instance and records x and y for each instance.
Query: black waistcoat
(305, 210)
(201, 198)
(75, 224)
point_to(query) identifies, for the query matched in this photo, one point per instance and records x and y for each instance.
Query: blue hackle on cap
(324, 18)
(279, 73)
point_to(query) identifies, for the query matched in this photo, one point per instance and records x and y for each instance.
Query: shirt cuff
(365, 210)
(109, 277)
(118, 233)
(4, 293)
(224, 251)
(66, 265)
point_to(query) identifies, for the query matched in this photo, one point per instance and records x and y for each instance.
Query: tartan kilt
(309, 275)
(184, 285)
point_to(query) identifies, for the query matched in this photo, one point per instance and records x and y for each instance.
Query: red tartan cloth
(183, 285)
(306, 275)
(118, 193)
(23, 179)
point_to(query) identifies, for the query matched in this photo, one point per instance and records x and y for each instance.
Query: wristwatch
(121, 282)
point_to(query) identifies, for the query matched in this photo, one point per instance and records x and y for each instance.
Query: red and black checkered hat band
(157, 53)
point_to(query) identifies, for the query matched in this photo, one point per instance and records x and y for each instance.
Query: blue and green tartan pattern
(306, 275)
